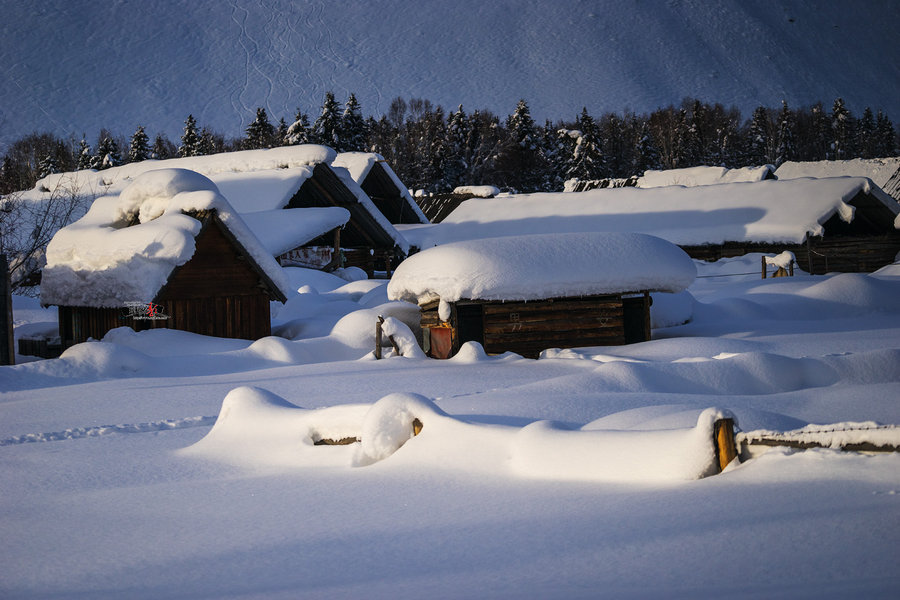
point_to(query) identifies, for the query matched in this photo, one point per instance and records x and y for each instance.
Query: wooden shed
(194, 269)
(529, 293)
(380, 183)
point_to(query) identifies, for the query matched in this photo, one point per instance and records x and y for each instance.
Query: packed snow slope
(154, 62)
(163, 464)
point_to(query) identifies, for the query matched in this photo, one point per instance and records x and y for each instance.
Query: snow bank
(695, 176)
(542, 266)
(766, 212)
(391, 422)
(126, 246)
(402, 335)
(479, 191)
(543, 450)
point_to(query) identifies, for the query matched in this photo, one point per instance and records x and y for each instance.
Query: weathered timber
(723, 440)
(7, 348)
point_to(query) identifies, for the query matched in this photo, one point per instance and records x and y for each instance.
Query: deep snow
(142, 466)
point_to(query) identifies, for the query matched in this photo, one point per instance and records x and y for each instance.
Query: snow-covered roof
(360, 164)
(282, 230)
(479, 191)
(533, 267)
(255, 191)
(366, 202)
(225, 162)
(127, 245)
(768, 211)
(884, 172)
(694, 176)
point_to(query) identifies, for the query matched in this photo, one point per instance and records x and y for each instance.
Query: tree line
(436, 151)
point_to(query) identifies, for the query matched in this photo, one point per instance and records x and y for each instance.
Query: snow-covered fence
(783, 263)
(849, 437)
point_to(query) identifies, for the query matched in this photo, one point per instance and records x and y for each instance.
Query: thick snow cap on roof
(694, 176)
(226, 162)
(479, 191)
(101, 261)
(765, 212)
(282, 230)
(534, 267)
(884, 172)
(256, 191)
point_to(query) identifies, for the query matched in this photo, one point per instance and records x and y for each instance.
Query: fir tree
(842, 131)
(645, 155)
(786, 150)
(520, 160)
(260, 133)
(298, 131)
(457, 133)
(48, 166)
(353, 127)
(587, 158)
(107, 153)
(821, 144)
(139, 149)
(207, 144)
(758, 137)
(280, 133)
(161, 147)
(190, 141)
(327, 128)
(885, 135)
(865, 135)
(84, 154)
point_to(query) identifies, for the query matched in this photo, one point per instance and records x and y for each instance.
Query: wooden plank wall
(526, 328)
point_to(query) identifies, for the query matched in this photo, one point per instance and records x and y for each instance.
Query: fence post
(723, 439)
(378, 337)
(7, 345)
(763, 259)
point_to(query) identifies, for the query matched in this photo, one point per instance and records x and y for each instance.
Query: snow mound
(695, 176)
(479, 191)
(542, 450)
(542, 266)
(103, 359)
(669, 310)
(403, 337)
(391, 422)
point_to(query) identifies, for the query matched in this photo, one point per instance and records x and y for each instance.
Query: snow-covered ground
(169, 465)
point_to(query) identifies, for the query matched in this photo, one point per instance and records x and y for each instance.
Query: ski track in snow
(102, 430)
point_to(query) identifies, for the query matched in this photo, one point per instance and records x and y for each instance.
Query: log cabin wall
(527, 328)
(217, 292)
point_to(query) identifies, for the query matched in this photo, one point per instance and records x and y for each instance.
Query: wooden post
(7, 343)
(723, 440)
(763, 258)
(378, 337)
(792, 268)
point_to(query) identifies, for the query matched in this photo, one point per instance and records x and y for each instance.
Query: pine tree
(260, 133)
(84, 154)
(139, 149)
(520, 160)
(457, 133)
(885, 135)
(207, 143)
(842, 131)
(587, 158)
(786, 150)
(821, 144)
(107, 154)
(298, 132)
(645, 154)
(48, 166)
(758, 137)
(327, 128)
(161, 147)
(353, 127)
(865, 135)
(280, 133)
(190, 141)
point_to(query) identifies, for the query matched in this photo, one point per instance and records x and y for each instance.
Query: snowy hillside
(72, 66)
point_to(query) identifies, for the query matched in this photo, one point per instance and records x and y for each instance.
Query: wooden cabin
(381, 184)
(528, 327)
(525, 294)
(212, 278)
(838, 224)
(301, 237)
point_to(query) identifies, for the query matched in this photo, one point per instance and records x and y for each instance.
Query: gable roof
(282, 230)
(127, 245)
(376, 177)
(768, 211)
(884, 172)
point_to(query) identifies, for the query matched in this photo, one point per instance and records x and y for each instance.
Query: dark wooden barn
(221, 291)
(381, 184)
